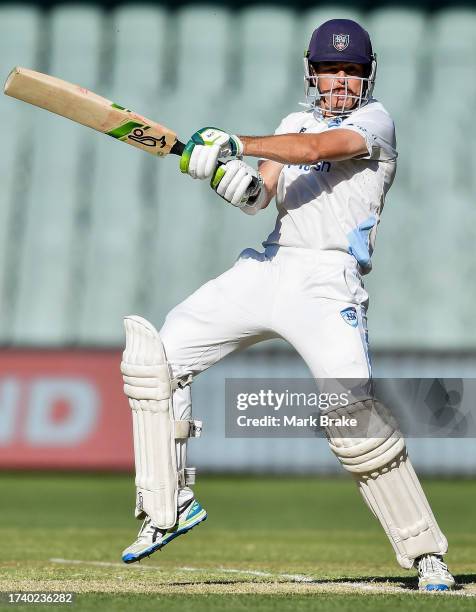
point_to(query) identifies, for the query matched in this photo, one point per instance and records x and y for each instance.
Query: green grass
(319, 528)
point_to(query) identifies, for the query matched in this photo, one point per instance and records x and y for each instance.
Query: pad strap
(187, 477)
(188, 429)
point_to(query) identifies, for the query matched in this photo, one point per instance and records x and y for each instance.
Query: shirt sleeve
(282, 127)
(378, 130)
(290, 124)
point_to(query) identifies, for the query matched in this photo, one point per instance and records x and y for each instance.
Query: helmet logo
(340, 41)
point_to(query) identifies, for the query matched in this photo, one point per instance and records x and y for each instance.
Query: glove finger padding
(228, 172)
(209, 159)
(203, 161)
(232, 180)
(236, 192)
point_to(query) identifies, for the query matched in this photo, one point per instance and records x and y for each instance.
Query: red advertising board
(63, 410)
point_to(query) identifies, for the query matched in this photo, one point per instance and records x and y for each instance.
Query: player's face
(340, 85)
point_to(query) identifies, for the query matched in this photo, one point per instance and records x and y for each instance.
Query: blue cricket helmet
(340, 40)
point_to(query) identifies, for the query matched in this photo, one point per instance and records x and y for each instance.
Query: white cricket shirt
(337, 205)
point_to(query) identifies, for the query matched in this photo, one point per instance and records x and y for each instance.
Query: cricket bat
(94, 111)
(88, 108)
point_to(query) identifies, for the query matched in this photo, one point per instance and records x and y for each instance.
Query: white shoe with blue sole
(433, 574)
(150, 538)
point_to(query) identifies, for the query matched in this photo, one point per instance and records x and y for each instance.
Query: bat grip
(179, 148)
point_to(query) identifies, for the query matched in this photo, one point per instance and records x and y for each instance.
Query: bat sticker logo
(148, 141)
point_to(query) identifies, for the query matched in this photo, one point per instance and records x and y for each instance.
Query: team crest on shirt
(334, 122)
(350, 316)
(340, 41)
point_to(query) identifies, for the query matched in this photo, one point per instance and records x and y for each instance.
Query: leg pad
(148, 387)
(377, 459)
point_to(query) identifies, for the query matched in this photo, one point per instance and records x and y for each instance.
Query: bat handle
(179, 147)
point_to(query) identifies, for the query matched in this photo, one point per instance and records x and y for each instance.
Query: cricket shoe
(150, 538)
(433, 574)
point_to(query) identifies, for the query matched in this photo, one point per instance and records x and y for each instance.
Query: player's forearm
(295, 149)
(270, 172)
(285, 149)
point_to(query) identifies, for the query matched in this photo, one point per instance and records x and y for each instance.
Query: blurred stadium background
(91, 230)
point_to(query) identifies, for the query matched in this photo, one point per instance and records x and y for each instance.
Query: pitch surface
(269, 544)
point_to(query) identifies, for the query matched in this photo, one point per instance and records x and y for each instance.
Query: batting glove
(234, 182)
(203, 150)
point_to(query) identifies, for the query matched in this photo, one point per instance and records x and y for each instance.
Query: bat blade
(90, 109)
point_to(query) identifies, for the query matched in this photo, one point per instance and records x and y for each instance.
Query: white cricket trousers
(314, 300)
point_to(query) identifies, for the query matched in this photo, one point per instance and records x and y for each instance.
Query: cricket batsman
(329, 168)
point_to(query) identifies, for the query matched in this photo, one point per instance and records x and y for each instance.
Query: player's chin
(348, 104)
(340, 106)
